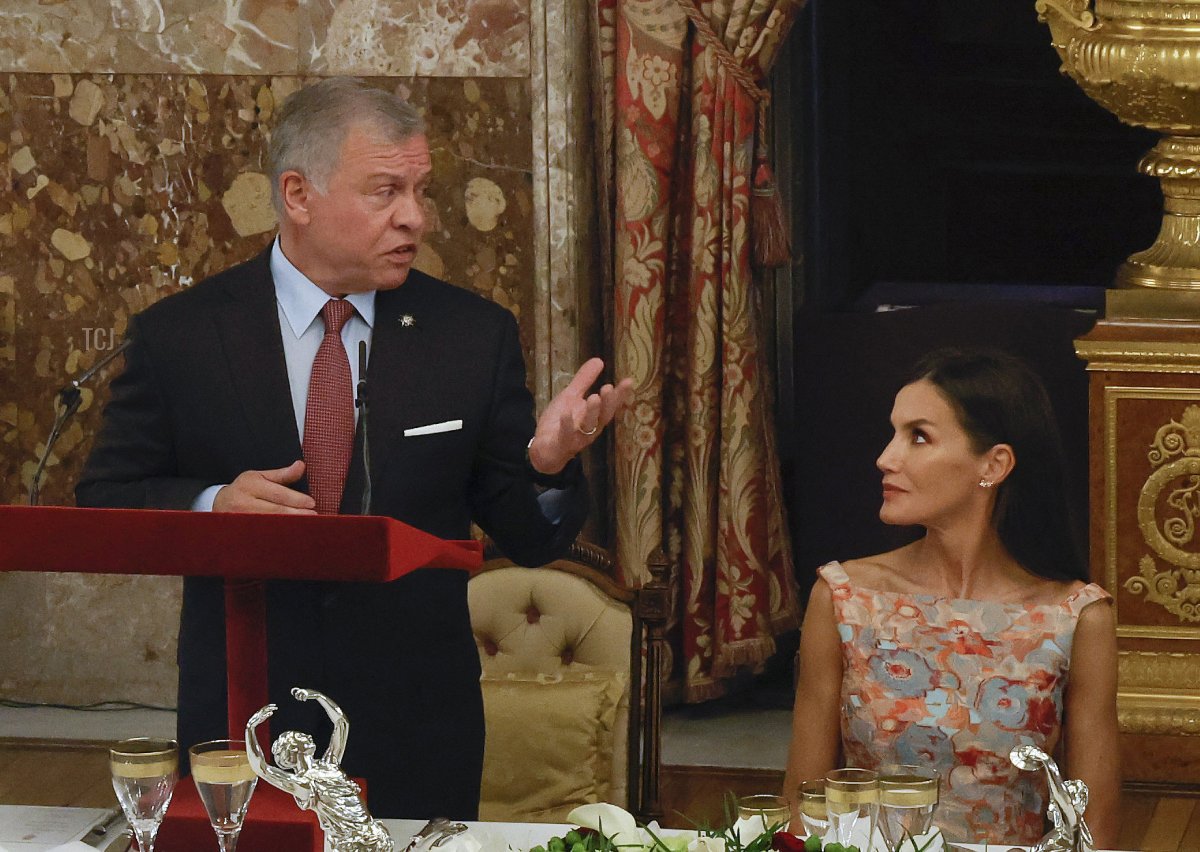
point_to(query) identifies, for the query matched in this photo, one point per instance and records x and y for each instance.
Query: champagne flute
(144, 772)
(225, 783)
(908, 796)
(852, 804)
(813, 813)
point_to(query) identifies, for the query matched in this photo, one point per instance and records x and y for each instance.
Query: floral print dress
(957, 684)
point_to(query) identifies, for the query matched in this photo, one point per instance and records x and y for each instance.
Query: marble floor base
(739, 737)
(45, 723)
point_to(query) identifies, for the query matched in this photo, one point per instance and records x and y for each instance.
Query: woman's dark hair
(1000, 400)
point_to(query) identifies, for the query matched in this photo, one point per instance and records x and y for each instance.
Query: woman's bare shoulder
(883, 572)
(1048, 592)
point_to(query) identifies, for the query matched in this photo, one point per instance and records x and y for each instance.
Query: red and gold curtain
(695, 465)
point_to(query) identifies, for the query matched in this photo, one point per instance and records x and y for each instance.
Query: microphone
(361, 402)
(66, 403)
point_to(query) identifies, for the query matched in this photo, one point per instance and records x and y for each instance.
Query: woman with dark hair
(980, 636)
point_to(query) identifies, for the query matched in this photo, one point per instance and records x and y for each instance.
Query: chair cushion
(541, 621)
(549, 742)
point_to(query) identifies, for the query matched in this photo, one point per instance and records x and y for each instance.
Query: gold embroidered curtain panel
(696, 469)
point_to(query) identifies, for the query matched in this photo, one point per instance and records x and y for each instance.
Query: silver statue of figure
(1068, 801)
(319, 785)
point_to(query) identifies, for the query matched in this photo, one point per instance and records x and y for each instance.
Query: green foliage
(912, 841)
(577, 840)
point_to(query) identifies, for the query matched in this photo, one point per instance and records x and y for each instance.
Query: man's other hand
(572, 421)
(266, 491)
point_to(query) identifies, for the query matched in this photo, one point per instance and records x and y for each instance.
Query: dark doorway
(943, 146)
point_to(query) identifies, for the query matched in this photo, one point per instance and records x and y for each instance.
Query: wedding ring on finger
(588, 432)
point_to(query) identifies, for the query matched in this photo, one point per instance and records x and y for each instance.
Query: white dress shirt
(302, 328)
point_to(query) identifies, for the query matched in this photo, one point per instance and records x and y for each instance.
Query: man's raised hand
(574, 418)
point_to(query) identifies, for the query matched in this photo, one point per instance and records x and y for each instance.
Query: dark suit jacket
(205, 396)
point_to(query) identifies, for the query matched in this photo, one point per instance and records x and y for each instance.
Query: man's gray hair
(314, 121)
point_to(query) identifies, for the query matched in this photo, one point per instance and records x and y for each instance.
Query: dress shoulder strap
(835, 575)
(1082, 598)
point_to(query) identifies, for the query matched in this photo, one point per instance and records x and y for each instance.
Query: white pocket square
(434, 428)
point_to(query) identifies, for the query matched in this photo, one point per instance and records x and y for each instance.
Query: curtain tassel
(768, 224)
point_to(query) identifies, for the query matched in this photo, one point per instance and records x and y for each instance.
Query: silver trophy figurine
(319, 785)
(1068, 801)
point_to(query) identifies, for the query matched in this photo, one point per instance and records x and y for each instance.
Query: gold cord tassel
(771, 247)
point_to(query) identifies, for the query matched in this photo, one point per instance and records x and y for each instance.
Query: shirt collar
(302, 300)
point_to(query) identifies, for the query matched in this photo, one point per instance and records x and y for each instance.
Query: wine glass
(225, 783)
(908, 796)
(852, 804)
(144, 772)
(813, 816)
(760, 813)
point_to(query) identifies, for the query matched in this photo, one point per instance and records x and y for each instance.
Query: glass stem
(227, 840)
(145, 838)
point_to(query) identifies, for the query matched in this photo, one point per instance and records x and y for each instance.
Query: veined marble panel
(150, 36)
(435, 38)
(122, 189)
(118, 195)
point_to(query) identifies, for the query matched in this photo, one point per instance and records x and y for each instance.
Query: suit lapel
(395, 381)
(253, 350)
(396, 353)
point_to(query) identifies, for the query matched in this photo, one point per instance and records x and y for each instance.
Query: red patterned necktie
(329, 413)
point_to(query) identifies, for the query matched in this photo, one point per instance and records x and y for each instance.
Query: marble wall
(394, 38)
(132, 139)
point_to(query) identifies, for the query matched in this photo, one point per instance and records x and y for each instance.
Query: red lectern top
(215, 544)
(241, 548)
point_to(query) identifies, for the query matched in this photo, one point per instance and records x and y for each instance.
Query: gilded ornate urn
(1140, 59)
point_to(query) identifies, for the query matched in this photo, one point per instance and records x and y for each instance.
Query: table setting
(849, 810)
(490, 836)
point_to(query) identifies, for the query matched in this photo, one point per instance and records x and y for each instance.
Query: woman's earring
(986, 483)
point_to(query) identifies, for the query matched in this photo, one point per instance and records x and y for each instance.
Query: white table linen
(522, 836)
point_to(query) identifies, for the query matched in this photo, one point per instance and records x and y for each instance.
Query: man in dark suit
(237, 396)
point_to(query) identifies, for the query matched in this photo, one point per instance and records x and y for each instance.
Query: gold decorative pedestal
(1140, 60)
(1144, 363)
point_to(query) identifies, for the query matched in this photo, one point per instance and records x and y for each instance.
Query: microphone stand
(361, 402)
(66, 403)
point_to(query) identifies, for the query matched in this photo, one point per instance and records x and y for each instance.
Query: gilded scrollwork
(1177, 590)
(1078, 13)
(1177, 438)
(1181, 529)
(1168, 509)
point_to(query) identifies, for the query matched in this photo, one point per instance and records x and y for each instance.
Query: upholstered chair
(570, 717)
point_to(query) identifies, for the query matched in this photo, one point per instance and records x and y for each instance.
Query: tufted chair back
(569, 718)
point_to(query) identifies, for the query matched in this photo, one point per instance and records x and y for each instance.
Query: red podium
(245, 550)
